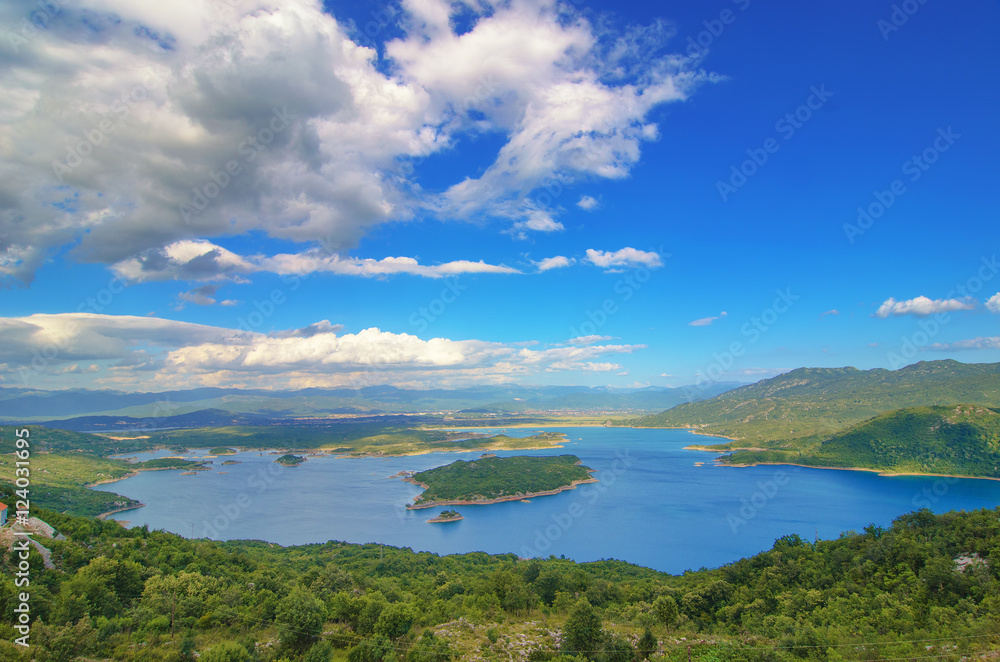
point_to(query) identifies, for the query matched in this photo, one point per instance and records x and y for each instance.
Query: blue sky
(482, 144)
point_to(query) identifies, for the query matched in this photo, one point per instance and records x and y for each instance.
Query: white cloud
(556, 262)
(832, 311)
(707, 321)
(991, 342)
(993, 303)
(119, 120)
(625, 257)
(589, 340)
(922, 306)
(203, 260)
(153, 353)
(588, 203)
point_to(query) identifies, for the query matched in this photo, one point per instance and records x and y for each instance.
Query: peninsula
(495, 479)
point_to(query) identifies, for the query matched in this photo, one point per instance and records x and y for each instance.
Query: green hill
(818, 402)
(958, 439)
(925, 587)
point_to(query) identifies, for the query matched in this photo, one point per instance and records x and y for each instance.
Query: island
(495, 479)
(290, 460)
(446, 516)
(222, 450)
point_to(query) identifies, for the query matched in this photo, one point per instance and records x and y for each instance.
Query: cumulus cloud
(993, 303)
(556, 262)
(922, 306)
(588, 203)
(625, 257)
(203, 260)
(707, 321)
(128, 351)
(129, 131)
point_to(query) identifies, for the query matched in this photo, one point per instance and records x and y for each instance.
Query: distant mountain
(649, 399)
(19, 405)
(822, 401)
(197, 419)
(955, 439)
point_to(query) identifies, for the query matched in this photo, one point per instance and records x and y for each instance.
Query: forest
(928, 586)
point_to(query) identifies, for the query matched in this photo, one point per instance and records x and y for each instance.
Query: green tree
(394, 621)
(320, 652)
(666, 610)
(582, 632)
(430, 649)
(648, 645)
(373, 649)
(300, 617)
(227, 651)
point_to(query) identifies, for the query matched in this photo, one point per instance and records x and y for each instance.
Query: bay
(652, 504)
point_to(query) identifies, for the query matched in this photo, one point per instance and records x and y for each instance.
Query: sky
(289, 194)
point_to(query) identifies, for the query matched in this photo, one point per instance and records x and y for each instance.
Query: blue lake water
(652, 505)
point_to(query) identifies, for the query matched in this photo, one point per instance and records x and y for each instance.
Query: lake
(652, 506)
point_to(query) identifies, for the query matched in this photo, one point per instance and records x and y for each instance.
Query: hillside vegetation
(818, 402)
(926, 587)
(959, 440)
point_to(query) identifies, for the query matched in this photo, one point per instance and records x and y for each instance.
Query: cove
(653, 505)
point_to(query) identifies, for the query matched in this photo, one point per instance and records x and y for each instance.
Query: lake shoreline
(881, 472)
(486, 502)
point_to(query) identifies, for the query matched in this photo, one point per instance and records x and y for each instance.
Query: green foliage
(290, 460)
(136, 595)
(320, 652)
(375, 649)
(496, 477)
(430, 649)
(814, 402)
(582, 634)
(648, 644)
(666, 610)
(227, 651)
(299, 617)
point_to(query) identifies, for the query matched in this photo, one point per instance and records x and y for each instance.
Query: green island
(447, 516)
(290, 460)
(222, 450)
(495, 479)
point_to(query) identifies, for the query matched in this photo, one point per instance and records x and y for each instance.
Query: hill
(959, 440)
(818, 402)
(21, 405)
(925, 587)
